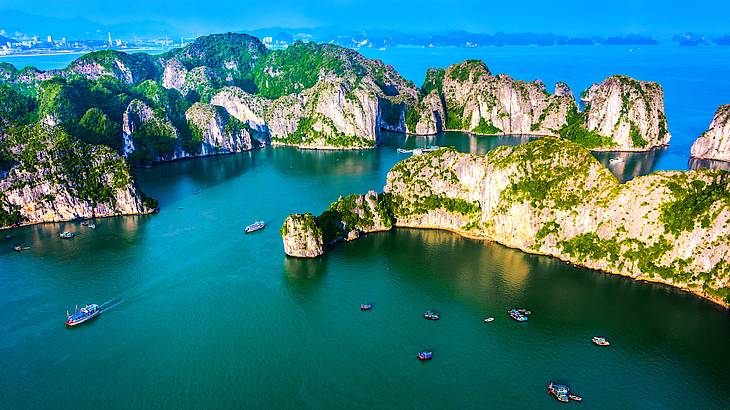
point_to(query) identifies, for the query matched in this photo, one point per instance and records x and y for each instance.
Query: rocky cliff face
(302, 236)
(552, 197)
(333, 114)
(217, 131)
(715, 142)
(628, 111)
(67, 180)
(479, 102)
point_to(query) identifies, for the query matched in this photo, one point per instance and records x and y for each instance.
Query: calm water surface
(205, 316)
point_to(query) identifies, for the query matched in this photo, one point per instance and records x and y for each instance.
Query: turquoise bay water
(206, 316)
(209, 317)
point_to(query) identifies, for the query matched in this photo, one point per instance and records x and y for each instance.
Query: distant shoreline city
(282, 38)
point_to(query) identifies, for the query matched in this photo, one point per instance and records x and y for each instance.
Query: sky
(573, 17)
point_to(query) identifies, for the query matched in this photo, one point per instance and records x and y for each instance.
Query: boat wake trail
(111, 304)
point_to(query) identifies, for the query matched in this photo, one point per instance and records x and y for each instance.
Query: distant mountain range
(21, 25)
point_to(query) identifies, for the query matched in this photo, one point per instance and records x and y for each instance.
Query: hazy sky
(573, 17)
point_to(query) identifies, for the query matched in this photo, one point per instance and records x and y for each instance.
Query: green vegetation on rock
(574, 130)
(486, 127)
(695, 201)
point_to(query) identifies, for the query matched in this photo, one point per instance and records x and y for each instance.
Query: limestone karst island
(364, 205)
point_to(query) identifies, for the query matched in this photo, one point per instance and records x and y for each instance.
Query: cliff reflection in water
(322, 162)
(695, 163)
(633, 164)
(462, 141)
(170, 181)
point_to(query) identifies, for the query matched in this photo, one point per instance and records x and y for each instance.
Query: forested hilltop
(224, 93)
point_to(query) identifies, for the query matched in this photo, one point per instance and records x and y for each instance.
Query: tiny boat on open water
(600, 341)
(366, 306)
(489, 319)
(519, 315)
(431, 315)
(562, 392)
(425, 355)
(256, 226)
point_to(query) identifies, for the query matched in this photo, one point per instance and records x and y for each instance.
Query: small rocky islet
(69, 137)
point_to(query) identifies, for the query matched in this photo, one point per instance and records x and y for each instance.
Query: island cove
(68, 137)
(550, 197)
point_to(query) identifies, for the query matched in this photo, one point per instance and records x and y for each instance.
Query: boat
(256, 226)
(18, 248)
(519, 315)
(575, 397)
(85, 223)
(432, 315)
(559, 391)
(600, 341)
(404, 151)
(616, 160)
(425, 355)
(417, 151)
(489, 319)
(82, 315)
(8, 237)
(66, 235)
(366, 306)
(92, 226)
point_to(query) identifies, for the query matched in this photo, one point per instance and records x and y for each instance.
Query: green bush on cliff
(463, 72)
(636, 139)
(296, 68)
(575, 130)
(412, 118)
(486, 127)
(9, 213)
(95, 127)
(154, 138)
(434, 80)
(454, 114)
(15, 107)
(693, 202)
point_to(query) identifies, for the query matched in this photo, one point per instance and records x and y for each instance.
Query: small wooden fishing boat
(431, 315)
(519, 315)
(600, 341)
(575, 397)
(559, 391)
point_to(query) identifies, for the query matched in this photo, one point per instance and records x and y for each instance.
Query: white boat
(489, 319)
(404, 151)
(616, 160)
(256, 226)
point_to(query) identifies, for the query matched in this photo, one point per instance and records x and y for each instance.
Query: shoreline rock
(715, 142)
